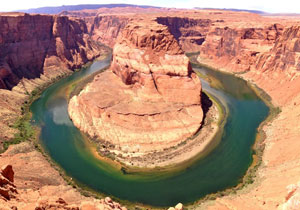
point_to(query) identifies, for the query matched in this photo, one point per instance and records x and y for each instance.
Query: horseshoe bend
(149, 99)
(99, 101)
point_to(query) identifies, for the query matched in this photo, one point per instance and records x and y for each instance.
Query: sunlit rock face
(35, 45)
(148, 100)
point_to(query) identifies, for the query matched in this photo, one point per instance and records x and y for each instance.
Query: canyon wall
(234, 46)
(150, 98)
(31, 45)
(106, 28)
(35, 50)
(190, 32)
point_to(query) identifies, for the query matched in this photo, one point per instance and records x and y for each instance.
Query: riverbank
(62, 139)
(122, 188)
(175, 157)
(24, 130)
(42, 182)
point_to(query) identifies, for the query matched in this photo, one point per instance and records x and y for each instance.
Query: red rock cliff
(190, 32)
(106, 28)
(31, 45)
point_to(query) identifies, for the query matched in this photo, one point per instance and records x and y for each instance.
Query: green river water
(220, 169)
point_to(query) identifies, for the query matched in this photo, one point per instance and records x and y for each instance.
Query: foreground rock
(7, 188)
(28, 181)
(150, 97)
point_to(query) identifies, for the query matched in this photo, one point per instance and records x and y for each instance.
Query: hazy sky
(291, 6)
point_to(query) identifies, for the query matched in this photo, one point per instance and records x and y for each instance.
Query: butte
(148, 100)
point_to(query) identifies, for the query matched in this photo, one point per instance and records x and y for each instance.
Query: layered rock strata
(35, 50)
(31, 183)
(106, 28)
(31, 45)
(150, 97)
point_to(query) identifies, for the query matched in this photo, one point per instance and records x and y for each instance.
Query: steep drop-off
(34, 50)
(148, 100)
(106, 28)
(31, 45)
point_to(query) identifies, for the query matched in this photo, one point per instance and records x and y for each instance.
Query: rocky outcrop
(285, 54)
(34, 184)
(61, 204)
(225, 42)
(7, 187)
(150, 98)
(32, 45)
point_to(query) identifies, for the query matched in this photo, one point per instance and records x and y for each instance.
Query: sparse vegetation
(25, 130)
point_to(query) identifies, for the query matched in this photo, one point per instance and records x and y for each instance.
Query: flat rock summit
(148, 100)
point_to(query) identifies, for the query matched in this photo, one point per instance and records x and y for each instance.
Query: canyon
(261, 50)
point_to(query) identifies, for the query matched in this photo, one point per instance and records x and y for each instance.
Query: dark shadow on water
(206, 104)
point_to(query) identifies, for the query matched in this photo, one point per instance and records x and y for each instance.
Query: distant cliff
(68, 8)
(106, 28)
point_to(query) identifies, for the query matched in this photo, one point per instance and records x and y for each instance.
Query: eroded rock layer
(150, 97)
(34, 51)
(32, 45)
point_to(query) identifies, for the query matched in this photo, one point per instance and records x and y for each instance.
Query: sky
(273, 6)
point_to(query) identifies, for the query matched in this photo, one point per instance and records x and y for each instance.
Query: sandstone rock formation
(61, 204)
(7, 187)
(190, 32)
(31, 45)
(150, 98)
(34, 184)
(106, 28)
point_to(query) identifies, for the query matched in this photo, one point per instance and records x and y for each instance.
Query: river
(220, 169)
